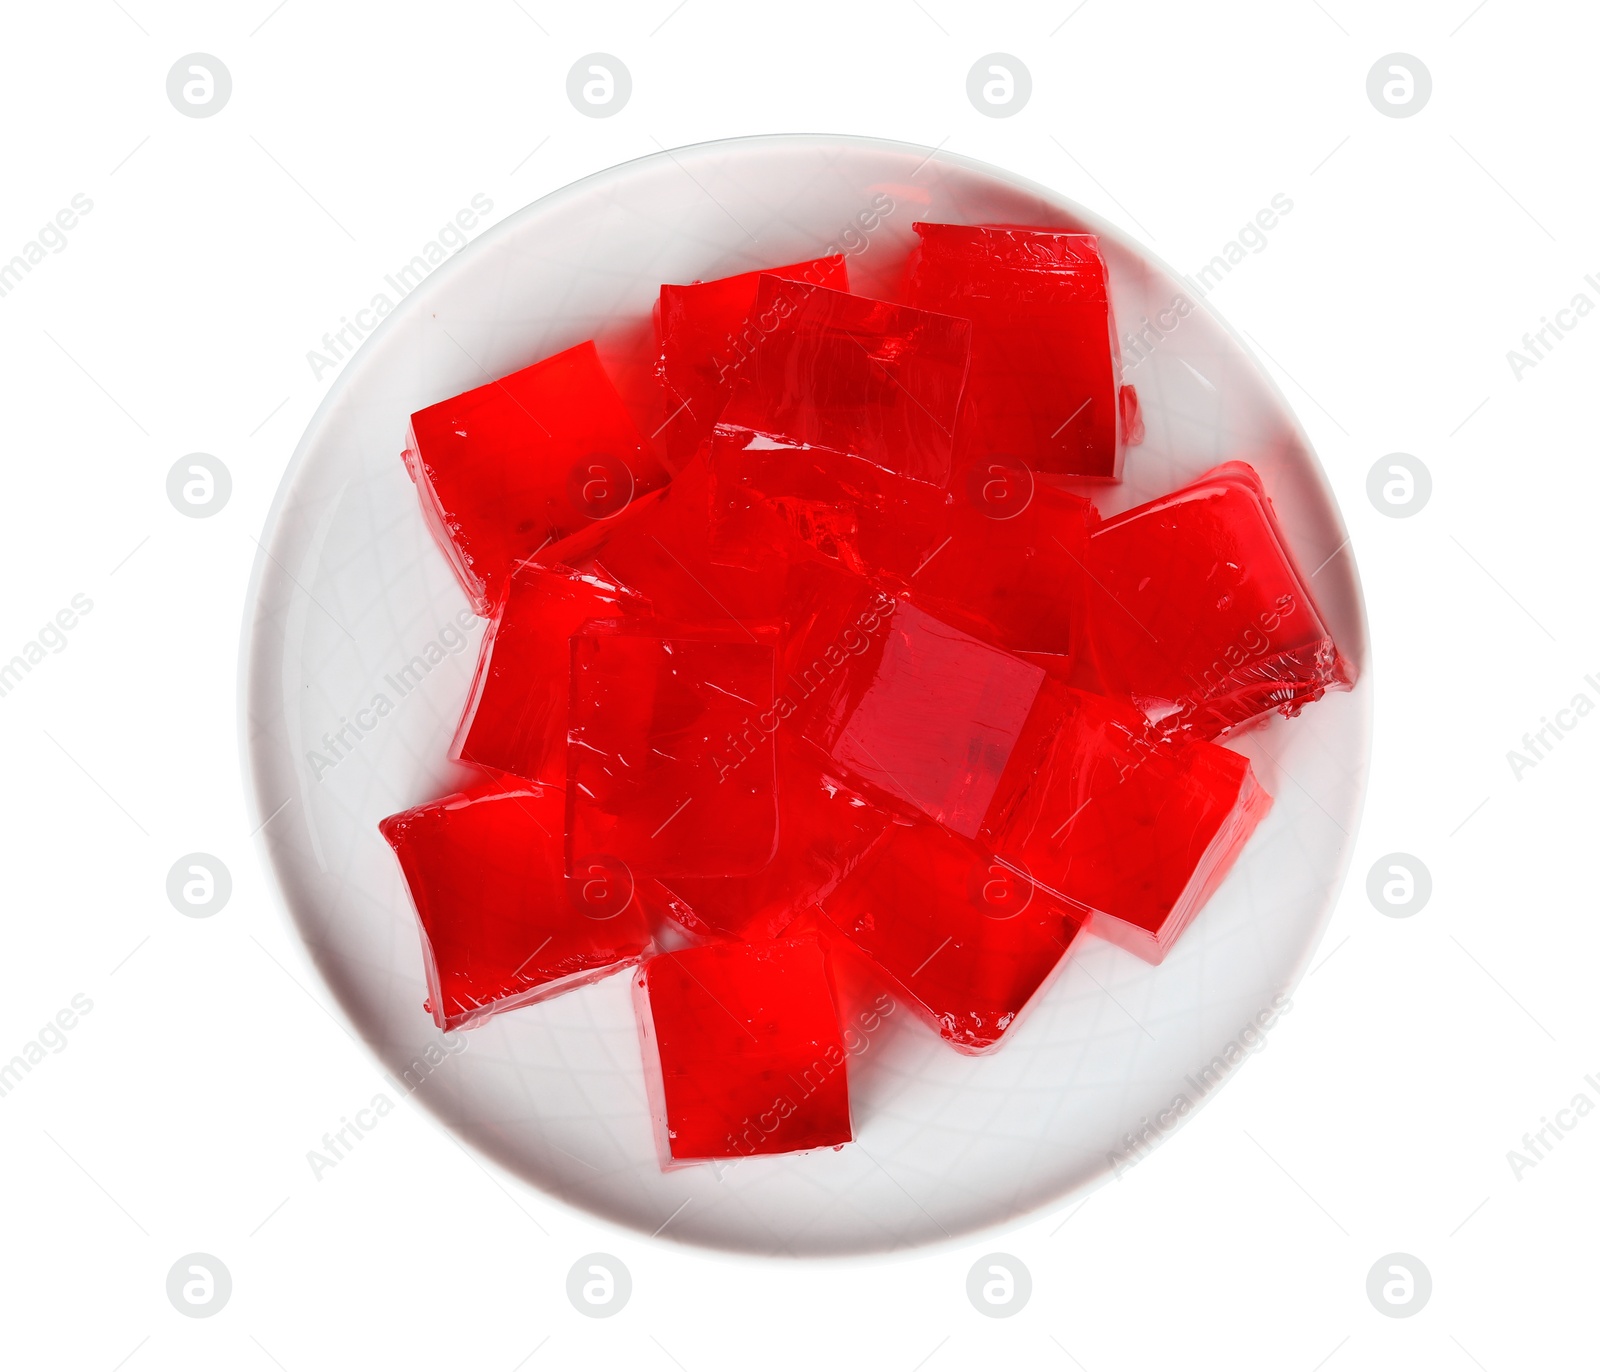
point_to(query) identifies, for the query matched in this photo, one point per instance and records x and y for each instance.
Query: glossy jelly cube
(868, 520)
(1045, 384)
(865, 998)
(660, 548)
(706, 334)
(1199, 614)
(1000, 555)
(880, 382)
(510, 467)
(968, 941)
(743, 1051)
(823, 828)
(1137, 830)
(903, 702)
(502, 926)
(670, 758)
(1011, 568)
(516, 716)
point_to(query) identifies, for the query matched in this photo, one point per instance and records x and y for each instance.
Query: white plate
(350, 589)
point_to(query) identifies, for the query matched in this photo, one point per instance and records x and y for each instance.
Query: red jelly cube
(968, 941)
(1199, 613)
(516, 716)
(1001, 555)
(1139, 831)
(867, 519)
(1045, 380)
(878, 381)
(706, 334)
(1010, 568)
(743, 1051)
(904, 702)
(669, 767)
(514, 465)
(660, 548)
(501, 925)
(823, 829)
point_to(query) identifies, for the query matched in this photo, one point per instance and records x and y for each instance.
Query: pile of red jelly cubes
(834, 675)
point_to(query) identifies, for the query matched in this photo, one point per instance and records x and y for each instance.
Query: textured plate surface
(356, 624)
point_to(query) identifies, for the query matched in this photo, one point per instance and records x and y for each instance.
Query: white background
(177, 319)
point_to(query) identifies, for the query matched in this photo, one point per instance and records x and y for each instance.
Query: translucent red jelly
(964, 938)
(502, 925)
(858, 515)
(1200, 615)
(668, 769)
(1045, 385)
(1136, 831)
(743, 1050)
(878, 381)
(823, 829)
(810, 711)
(706, 333)
(1010, 567)
(660, 549)
(516, 716)
(999, 554)
(919, 710)
(512, 466)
